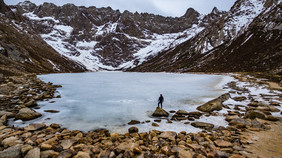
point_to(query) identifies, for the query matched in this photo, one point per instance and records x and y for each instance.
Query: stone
(182, 112)
(222, 143)
(126, 146)
(35, 126)
(215, 104)
(240, 121)
(184, 154)
(12, 152)
(52, 111)
(271, 118)
(11, 141)
(133, 130)
(273, 109)
(168, 135)
(67, 143)
(195, 113)
(31, 103)
(55, 126)
(26, 114)
(221, 154)
(65, 154)
(159, 112)
(255, 104)
(8, 114)
(25, 148)
(45, 146)
(48, 154)
(3, 120)
(82, 154)
(137, 150)
(202, 125)
(242, 98)
(236, 156)
(33, 153)
(254, 114)
(155, 124)
(133, 122)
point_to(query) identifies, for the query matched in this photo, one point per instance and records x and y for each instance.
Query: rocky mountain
(103, 38)
(22, 50)
(245, 39)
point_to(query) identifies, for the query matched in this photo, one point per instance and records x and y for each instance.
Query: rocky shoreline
(18, 96)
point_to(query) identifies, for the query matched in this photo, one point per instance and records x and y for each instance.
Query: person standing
(160, 101)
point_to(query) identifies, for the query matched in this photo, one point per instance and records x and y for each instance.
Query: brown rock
(67, 143)
(133, 130)
(35, 126)
(65, 154)
(159, 112)
(133, 122)
(11, 141)
(12, 152)
(26, 114)
(215, 104)
(49, 154)
(33, 153)
(155, 124)
(202, 125)
(182, 112)
(222, 143)
(81, 154)
(168, 135)
(52, 111)
(254, 114)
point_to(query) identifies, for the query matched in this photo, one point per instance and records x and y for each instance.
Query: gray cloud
(162, 7)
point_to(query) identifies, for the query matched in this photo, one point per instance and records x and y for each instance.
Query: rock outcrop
(159, 112)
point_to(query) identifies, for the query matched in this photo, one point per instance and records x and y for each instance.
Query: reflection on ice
(111, 99)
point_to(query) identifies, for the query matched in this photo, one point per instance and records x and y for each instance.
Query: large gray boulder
(215, 104)
(26, 114)
(159, 112)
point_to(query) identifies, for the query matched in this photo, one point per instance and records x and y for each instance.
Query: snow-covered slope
(102, 38)
(244, 39)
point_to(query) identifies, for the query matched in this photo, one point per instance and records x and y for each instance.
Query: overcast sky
(162, 7)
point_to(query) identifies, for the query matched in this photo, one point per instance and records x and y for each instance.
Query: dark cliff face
(23, 51)
(256, 48)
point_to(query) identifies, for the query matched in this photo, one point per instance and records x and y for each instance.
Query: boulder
(240, 122)
(35, 126)
(254, 114)
(168, 135)
(159, 112)
(203, 125)
(26, 114)
(52, 111)
(12, 152)
(223, 143)
(8, 114)
(133, 130)
(67, 143)
(133, 122)
(182, 112)
(126, 146)
(33, 153)
(11, 141)
(31, 103)
(215, 104)
(3, 120)
(82, 154)
(48, 153)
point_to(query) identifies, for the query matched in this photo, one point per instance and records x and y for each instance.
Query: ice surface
(112, 99)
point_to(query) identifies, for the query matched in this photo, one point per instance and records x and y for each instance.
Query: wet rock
(133, 130)
(12, 152)
(159, 112)
(33, 153)
(54, 125)
(202, 125)
(52, 111)
(35, 126)
(254, 114)
(133, 122)
(182, 112)
(26, 114)
(155, 124)
(215, 104)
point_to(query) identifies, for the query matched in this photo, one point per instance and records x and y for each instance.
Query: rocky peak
(191, 14)
(215, 11)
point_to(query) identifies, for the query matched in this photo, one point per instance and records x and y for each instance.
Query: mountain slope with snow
(247, 38)
(102, 38)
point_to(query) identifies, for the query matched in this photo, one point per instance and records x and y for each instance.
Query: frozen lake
(112, 99)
